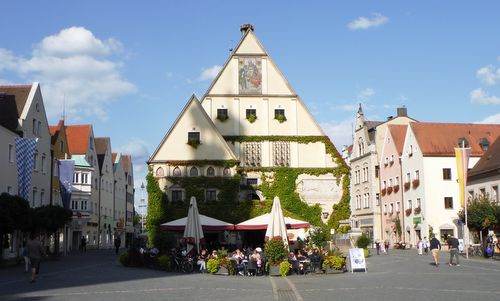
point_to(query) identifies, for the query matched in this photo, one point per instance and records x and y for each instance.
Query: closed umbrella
(276, 226)
(193, 233)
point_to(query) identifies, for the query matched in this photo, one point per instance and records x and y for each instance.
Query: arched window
(193, 172)
(160, 172)
(210, 171)
(361, 147)
(227, 172)
(177, 172)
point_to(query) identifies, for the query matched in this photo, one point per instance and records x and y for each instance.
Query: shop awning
(260, 223)
(207, 224)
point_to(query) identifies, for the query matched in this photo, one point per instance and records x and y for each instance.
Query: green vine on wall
(156, 208)
(223, 163)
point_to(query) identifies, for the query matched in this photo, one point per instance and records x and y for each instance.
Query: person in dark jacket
(453, 245)
(35, 253)
(435, 247)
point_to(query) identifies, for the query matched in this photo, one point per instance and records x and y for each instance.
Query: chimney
(245, 27)
(402, 112)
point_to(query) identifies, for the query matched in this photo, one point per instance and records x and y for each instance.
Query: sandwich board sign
(357, 259)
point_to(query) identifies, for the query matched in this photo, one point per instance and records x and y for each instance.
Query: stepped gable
(440, 139)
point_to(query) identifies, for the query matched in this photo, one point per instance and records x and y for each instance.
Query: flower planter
(389, 190)
(408, 211)
(417, 210)
(274, 270)
(384, 191)
(396, 188)
(407, 185)
(222, 271)
(415, 183)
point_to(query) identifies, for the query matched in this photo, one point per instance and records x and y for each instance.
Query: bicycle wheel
(479, 252)
(187, 267)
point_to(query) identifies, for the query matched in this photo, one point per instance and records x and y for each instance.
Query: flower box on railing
(408, 211)
(396, 188)
(415, 183)
(407, 185)
(417, 210)
(384, 191)
(389, 190)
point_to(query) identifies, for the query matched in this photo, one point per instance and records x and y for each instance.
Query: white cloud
(491, 119)
(346, 107)
(210, 73)
(365, 22)
(480, 97)
(73, 67)
(366, 93)
(138, 150)
(339, 132)
(489, 75)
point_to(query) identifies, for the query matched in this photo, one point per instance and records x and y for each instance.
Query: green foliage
(367, 253)
(193, 142)
(251, 118)
(213, 265)
(275, 250)
(363, 241)
(224, 163)
(482, 213)
(165, 263)
(156, 209)
(342, 210)
(165, 241)
(51, 218)
(333, 262)
(397, 225)
(124, 259)
(285, 267)
(14, 213)
(225, 262)
(221, 253)
(318, 237)
(281, 118)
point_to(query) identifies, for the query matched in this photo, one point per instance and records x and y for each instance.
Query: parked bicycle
(475, 250)
(183, 263)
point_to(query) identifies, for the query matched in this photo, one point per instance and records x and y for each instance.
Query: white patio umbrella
(193, 233)
(276, 226)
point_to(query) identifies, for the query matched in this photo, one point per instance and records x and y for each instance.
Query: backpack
(489, 251)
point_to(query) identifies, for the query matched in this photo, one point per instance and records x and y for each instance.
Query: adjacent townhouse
(391, 184)
(484, 177)
(430, 174)
(129, 196)
(59, 151)
(8, 133)
(120, 196)
(365, 172)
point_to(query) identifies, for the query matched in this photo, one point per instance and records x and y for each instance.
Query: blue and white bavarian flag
(65, 169)
(25, 157)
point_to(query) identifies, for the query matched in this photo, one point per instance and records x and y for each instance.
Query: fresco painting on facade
(250, 75)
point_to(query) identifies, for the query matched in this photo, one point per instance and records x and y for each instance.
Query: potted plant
(408, 211)
(281, 118)
(407, 185)
(285, 267)
(193, 142)
(415, 183)
(334, 264)
(417, 210)
(276, 253)
(251, 118)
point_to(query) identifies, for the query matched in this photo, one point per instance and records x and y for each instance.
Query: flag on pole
(65, 169)
(462, 156)
(25, 157)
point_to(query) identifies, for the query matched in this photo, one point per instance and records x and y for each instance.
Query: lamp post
(142, 205)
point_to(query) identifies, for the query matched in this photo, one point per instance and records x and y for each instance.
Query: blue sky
(128, 67)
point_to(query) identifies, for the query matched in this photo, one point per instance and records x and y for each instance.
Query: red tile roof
(21, 93)
(126, 162)
(489, 164)
(113, 157)
(398, 133)
(101, 144)
(78, 138)
(440, 139)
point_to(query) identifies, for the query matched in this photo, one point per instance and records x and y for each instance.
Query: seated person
(292, 259)
(202, 258)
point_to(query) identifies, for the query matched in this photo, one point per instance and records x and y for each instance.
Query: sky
(129, 67)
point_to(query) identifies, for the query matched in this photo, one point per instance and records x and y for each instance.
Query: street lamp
(143, 206)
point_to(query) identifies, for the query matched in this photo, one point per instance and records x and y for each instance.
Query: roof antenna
(231, 48)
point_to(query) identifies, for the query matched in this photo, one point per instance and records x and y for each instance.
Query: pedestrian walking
(425, 245)
(35, 253)
(118, 242)
(435, 247)
(419, 247)
(386, 246)
(377, 245)
(453, 245)
(26, 257)
(83, 244)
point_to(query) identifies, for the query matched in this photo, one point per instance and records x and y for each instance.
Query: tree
(397, 227)
(51, 218)
(482, 213)
(14, 215)
(318, 237)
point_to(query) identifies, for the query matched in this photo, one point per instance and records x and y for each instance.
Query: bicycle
(184, 264)
(475, 250)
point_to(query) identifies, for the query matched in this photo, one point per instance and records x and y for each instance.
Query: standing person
(435, 247)
(83, 244)
(453, 245)
(377, 245)
(26, 258)
(420, 244)
(35, 253)
(386, 245)
(118, 242)
(425, 245)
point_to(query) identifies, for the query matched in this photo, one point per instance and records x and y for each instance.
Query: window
(448, 203)
(74, 205)
(39, 128)
(193, 172)
(377, 171)
(384, 185)
(482, 192)
(484, 143)
(462, 142)
(252, 154)
(377, 199)
(390, 182)
(34, 196)
(396, 182)
(391, 208)
(210, 171)
(392, 159)
(251, 112)
(34, 126)
(418, 203)
(85, 178)
(42, 196)
(446, 173)
(410, 151)
(177, 172)
(385, 208)
(281, 153)
(494, 193)
(11, 153)
(91, 143)
(61, 146)
(398, 206)
(222, 114)
(194, 138)
(252, 181)
(35, 165)
(176, 195)
(361, 146)
(84, 205)
(211, 195)
(417, 175)
(160, 172)
(226, 172)
(44, 170)
(408, 178)
(409, 204)
(279, 113)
